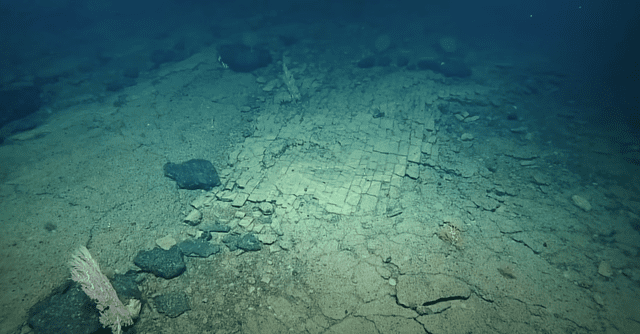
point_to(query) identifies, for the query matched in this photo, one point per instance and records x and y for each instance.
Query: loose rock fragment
(605, 270)
(166, 242)
(581, 203)
(193, 218)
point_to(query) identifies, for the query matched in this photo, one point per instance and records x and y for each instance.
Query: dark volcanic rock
(172, 304)
(67, 311)
(160, 262)
(199, 248)
(215, 227)
(193, 174)
(367, 62)
(247, 242)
